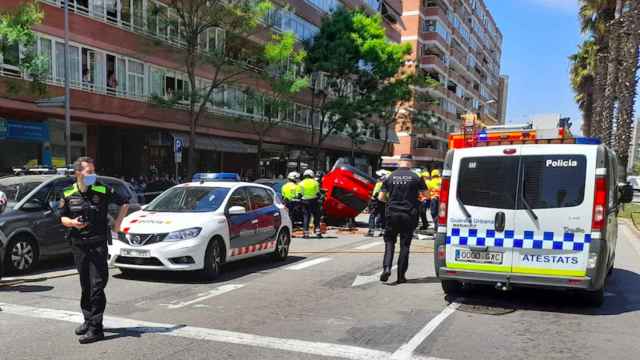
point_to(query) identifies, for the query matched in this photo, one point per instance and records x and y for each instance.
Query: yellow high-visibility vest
(290, 191)
(310, 189)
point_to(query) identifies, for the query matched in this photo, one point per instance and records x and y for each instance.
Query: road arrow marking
(309, 263)
(215, 292)
(366, 279)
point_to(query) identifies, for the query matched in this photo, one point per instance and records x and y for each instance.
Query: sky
(539, 36)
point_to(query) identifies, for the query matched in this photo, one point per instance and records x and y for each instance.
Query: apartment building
(457, 43)
(114, 74)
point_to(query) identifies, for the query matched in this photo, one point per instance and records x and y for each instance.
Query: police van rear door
(481, 208)
(555, 205)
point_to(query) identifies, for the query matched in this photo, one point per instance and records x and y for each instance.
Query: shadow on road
(58, 263)
(230, 271)
(622, 295)
(137, 331)
(23, 288)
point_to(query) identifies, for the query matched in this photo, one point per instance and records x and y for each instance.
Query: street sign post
(178, 145)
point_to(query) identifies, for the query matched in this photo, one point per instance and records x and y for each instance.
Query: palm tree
(595, 15)
(583, 66)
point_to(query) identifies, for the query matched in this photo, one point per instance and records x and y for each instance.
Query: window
(9, 53)
(556, 181)
(260, 198)
(46, 50)
(135, 80)
(156, 82)
(325, 5)
(239, 198)
(189, 199)
(488, 182)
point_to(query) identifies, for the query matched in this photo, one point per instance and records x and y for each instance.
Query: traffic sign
(178, 146)
(178, 157)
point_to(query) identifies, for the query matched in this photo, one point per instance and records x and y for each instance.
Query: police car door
(555, 204)
(481, 210)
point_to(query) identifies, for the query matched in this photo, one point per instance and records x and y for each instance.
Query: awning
(216, 143)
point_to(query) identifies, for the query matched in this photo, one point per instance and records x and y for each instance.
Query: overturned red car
(347, 192)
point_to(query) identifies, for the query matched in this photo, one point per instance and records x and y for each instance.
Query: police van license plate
(134, 253)
(479, 257)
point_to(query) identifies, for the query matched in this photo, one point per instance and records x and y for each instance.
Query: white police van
(519, 208)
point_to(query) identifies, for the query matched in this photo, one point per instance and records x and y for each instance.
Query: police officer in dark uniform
(84, 211)
(400, 191)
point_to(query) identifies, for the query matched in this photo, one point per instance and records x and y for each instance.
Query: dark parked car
(30, 228)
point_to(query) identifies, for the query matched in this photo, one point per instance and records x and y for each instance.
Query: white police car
(202, 225)
(526, 208)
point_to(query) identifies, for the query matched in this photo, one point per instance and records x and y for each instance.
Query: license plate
(479, 257)
(134, 253)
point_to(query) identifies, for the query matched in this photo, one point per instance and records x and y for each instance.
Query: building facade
(457, 43)
(115, 72)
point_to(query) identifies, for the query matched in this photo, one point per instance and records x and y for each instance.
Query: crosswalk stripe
(309, 263)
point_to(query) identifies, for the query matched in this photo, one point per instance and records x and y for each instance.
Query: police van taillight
(599, 204)
(444, 201)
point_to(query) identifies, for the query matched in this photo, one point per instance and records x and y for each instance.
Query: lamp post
(67, 100)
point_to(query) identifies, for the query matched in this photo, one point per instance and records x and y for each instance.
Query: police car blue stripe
(528, 239)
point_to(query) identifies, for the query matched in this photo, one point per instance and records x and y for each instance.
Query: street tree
(217, 36)
(582, 77)
(17, 44)
(348, 60)
(284, 79)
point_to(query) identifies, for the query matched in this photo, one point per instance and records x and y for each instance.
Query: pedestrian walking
(434, 193)
(84, 211)
(401, 192)
(311, 202)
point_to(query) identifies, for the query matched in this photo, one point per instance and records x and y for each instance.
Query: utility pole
(67, 98)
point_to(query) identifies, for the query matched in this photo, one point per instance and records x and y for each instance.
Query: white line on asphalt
(215, 292)
(309, 263)
(406, 351)
(368, 246)
(45, 275)
(142, 327)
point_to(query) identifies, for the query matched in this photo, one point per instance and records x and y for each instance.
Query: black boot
(401, 279)
(385, 274)
(82, 329)
(369, 233)
(91, 336)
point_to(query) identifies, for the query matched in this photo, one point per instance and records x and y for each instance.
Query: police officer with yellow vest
(311, 202)
(84, 211)
(291, 194)
(434, 193)
(376, 207)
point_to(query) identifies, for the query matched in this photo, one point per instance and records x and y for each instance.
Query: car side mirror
(626, 193)
(144, 207)
(237, 210)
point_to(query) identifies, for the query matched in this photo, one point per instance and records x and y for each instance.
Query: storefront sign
(22, 130)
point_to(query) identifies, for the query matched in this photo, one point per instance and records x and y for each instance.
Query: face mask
(90, 179)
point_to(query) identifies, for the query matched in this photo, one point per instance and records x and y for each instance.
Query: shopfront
(23, 144)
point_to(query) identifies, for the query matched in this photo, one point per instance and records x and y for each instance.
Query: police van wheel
(282, 246)
(594, 298)
(213, 260)
(451, 287)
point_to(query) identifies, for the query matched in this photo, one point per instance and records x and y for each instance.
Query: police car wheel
(451, 287)
(21, 255)
(594, 298)
(282, 245)
(213, 260)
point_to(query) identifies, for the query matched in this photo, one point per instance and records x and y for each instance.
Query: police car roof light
(216, 177)
(588, 141)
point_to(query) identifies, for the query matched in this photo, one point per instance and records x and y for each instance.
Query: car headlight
(184, 234)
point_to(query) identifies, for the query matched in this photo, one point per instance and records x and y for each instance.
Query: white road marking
(215, 292)
(369, 246)
(365, 279)
(406, 351)
(309, 263)
(46, 275)
(231, 337)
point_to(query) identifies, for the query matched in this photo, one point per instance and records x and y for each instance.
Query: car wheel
(282, 245)
(213, 259)
(594, 298)
(451, 287)
(21, 255)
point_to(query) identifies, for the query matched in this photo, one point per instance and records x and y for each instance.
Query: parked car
(30, 228)
(201, 226)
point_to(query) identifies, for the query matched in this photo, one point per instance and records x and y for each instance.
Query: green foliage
(358, 61)
(16, 29)
(582, 72)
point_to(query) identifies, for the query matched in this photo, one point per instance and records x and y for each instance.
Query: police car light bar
(216, 177)
(493, 136)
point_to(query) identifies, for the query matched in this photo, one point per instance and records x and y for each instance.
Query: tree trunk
(587, 118)
(259, 155)
(191, 161)
(383, 149)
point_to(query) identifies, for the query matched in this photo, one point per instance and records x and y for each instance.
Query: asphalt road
(324, 302)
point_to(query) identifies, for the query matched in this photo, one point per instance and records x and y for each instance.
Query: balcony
(435, 61)
(428, 153)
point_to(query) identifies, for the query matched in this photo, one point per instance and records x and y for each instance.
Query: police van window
(260, 198)
(488, 182)
(553, 181)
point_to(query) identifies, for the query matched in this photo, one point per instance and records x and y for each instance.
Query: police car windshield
(189, 199)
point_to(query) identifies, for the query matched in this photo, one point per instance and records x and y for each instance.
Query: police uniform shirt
(402, 188)
(93, 207)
